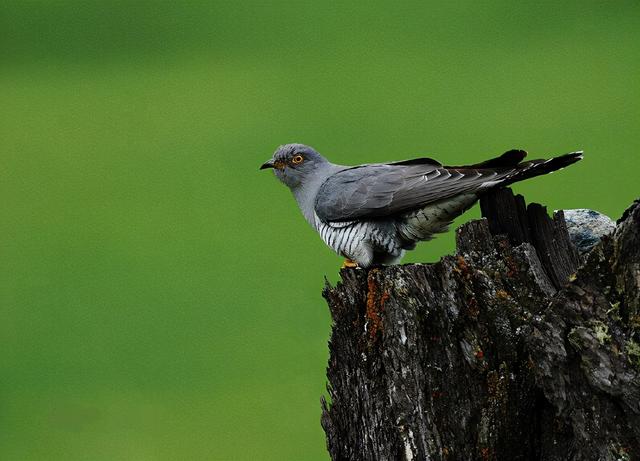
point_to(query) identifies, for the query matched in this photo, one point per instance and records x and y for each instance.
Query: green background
(160, 297)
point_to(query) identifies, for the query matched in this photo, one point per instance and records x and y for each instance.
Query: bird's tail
(530, 169)
(509, 167)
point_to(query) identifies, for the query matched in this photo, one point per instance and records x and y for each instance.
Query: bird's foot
(348, 263)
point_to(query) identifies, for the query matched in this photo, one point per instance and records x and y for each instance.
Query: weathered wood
(551, 240)
(508, 214)
(500, 352)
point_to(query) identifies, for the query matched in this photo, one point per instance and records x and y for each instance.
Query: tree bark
(514, 348)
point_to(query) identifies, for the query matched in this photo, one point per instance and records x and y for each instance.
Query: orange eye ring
(297, 159)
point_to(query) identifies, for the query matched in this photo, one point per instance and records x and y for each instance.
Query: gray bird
(371, 214)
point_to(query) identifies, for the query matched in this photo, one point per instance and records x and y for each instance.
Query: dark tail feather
(509, 159)
(534, 168)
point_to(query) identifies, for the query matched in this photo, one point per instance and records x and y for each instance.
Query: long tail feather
(534, 168)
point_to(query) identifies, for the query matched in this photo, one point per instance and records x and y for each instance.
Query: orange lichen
(375, 305)
(462, 268)
(512, 266)
(472, 307)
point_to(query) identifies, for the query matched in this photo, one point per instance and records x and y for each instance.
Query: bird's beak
(277, 164)
(267, 164)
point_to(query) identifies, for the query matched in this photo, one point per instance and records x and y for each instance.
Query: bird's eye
(296, 160)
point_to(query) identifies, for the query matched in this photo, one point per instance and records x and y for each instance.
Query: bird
(371, 214)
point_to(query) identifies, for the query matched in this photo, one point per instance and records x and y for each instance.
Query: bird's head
(294, 164)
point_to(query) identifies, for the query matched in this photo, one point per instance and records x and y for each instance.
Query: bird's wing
(385, 189)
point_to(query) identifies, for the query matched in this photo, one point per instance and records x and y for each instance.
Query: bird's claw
(348, 263)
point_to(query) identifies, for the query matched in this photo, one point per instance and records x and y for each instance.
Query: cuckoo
(372, 214)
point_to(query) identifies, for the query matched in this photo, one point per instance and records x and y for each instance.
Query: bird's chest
(340, 237)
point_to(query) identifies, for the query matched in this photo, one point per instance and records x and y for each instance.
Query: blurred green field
(159, 296)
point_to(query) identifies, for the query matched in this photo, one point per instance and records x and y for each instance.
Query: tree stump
(514, 348)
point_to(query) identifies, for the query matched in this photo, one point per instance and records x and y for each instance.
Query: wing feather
(384, 189)
(381, 190)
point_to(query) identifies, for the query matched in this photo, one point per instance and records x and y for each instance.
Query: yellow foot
(348, 263)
